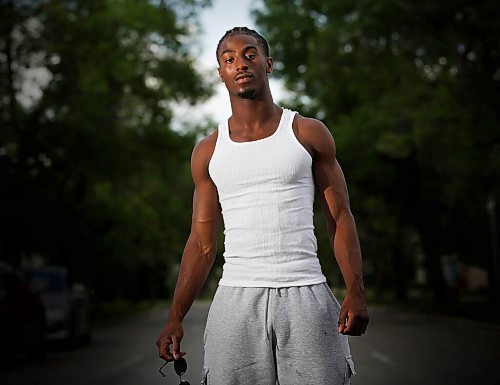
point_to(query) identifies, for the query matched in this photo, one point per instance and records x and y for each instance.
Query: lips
(240, 78)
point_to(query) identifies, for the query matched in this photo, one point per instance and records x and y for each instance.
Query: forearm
(348, 252)
(197, 261)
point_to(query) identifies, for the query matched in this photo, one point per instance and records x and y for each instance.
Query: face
(243, 66)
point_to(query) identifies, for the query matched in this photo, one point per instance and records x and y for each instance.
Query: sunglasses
(180, 367)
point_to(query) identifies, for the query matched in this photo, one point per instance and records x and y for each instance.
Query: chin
(247, 93)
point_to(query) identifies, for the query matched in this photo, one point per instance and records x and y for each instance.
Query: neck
(252, 112)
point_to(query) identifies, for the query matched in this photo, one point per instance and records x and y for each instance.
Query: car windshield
(46, 281)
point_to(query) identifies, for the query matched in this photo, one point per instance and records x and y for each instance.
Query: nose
(241, 63)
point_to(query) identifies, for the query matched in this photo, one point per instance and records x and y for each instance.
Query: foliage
(91, 175)
(410, 91)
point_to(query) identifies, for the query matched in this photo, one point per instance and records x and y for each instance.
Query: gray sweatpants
(266, 336)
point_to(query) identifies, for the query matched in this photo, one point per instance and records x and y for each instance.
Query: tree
(91, 174)
(408, 90)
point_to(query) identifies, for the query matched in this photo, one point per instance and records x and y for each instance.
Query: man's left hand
(353, 315)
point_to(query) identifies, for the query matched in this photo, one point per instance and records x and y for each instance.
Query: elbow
(207, 251)
(331, 227)
(343, 213)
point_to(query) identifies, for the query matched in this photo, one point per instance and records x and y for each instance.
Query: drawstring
(266, 317)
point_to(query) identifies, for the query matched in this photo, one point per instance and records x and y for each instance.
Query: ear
(269, 65)
(218, 71)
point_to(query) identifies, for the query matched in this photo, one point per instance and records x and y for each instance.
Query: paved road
(399, 349)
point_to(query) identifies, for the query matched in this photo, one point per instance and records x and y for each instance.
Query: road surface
(398, 349)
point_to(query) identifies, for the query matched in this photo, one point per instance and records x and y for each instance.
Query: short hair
(244, 31)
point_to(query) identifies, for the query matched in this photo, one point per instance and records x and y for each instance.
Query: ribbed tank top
(266, 192)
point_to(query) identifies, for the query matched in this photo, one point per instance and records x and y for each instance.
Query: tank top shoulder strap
(287, 120)
(222, 132)
(290, 133)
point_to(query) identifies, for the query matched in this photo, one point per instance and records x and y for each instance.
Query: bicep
(206, 209)
(332, 187)
(329, 177)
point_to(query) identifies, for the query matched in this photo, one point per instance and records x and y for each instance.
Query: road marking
(382, 357)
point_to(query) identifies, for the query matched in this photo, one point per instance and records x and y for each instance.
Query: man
(273, 318)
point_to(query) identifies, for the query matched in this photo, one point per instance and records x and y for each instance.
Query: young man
(273, 318)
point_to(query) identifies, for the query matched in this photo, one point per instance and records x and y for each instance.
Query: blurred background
(102, 101)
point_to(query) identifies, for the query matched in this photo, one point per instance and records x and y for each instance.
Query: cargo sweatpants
(269, 336)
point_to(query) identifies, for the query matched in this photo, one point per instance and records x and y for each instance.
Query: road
(398, 349)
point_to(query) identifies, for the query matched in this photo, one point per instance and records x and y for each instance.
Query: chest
(268, 164)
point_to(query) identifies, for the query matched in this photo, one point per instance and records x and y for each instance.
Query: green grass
(107, 312)
(474, 306)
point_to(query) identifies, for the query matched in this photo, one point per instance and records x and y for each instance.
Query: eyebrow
(244, 49)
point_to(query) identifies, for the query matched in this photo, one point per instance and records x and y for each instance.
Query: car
(66, 304)
(22, 318)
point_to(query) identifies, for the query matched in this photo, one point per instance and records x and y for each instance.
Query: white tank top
(266, 192)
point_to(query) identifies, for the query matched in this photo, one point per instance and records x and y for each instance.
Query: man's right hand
(172, 334)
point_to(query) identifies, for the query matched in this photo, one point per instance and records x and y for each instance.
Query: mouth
(243, 78)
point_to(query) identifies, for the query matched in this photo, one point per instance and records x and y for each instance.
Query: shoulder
(202, 153)
(313, 134)
(205, 147)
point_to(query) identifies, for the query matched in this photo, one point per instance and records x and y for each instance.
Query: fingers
(164, 348)
(164, 343)
(351, 327)
(171, 334)
(177, 348)
(354, 324)
(343, 319)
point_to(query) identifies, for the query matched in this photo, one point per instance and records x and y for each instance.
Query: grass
(469, 305)
(108, 311)
(473, 306)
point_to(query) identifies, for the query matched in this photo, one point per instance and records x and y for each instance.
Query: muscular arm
(332, 189)
(199, 252)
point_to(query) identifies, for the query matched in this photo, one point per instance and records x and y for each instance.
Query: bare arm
(332, 189)
(199, 252)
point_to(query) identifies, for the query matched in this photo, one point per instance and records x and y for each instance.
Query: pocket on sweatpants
(332, 296)
(204, 376)
(349, 370)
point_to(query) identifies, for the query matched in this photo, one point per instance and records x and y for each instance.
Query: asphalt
(398, 348)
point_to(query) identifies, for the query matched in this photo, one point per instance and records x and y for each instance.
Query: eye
(251, 56)
(229, 60)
